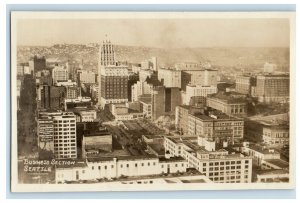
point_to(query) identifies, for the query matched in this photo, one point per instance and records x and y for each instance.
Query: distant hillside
(216, 56)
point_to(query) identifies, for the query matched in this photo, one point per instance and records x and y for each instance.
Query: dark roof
(202, 116)
(88, 133)
(146, 100)
(171, 159)
(278, 162)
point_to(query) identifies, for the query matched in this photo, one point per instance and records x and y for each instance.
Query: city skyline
(113, 116)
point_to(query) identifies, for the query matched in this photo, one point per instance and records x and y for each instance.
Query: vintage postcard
(143, 101)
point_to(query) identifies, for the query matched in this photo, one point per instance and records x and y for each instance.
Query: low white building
(260, 153)
(122, 112)
(219, 166)
(271, 176)
(198, 90)
(107, 167)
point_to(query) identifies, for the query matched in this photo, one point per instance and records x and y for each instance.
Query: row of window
(224, 163)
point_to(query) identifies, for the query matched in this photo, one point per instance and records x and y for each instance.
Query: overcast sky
(168, 33)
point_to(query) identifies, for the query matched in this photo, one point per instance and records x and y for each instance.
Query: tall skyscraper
(58, 128)
(107, 54)
(113, 78)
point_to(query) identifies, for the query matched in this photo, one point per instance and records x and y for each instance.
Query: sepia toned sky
(163, 33)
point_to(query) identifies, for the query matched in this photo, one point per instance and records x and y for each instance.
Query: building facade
(228, 105)
(198, 90)
(204, 77)
(182, 117)
(59, 128)
(276, 135)
(170, 77)
(219, 166)
(100, 168)
(220, 128)
(273, 88)
(114, 81)
(59, 73)
(243, 84)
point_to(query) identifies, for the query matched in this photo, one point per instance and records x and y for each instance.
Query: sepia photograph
(152, 101)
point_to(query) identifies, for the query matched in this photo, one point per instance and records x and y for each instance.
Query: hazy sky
(166, 33)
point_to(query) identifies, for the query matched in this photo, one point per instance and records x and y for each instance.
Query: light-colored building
(182, 117)
(260, 153)
(87, 77)
(198, 90)
(123, 112)
(88, 115)
(45, 130)
(146, 106)
(244, 83)
(218, 127)
(59, 73)
(139, 89)
(66, 83)
(227, 104)
(219, 166)
(204, 77)
(188, 66)
(150, 64)
(273, 88)
(276, 135)
(272, 176)
(170, 77)
(106, 167)
(269, 67)
(136, 69)
(64, 132)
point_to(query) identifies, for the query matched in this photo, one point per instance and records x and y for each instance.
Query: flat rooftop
(263, 150)
(129, 158)
(278, 162)
(272, 172)
(181, 139)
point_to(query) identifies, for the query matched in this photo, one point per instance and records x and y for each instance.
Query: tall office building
(273, 88)
(65, 135)
(59, 73)
(158, 101)
(244, 83)
(172, 99)
(59, 128)
(107, 54)
(113, 79)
